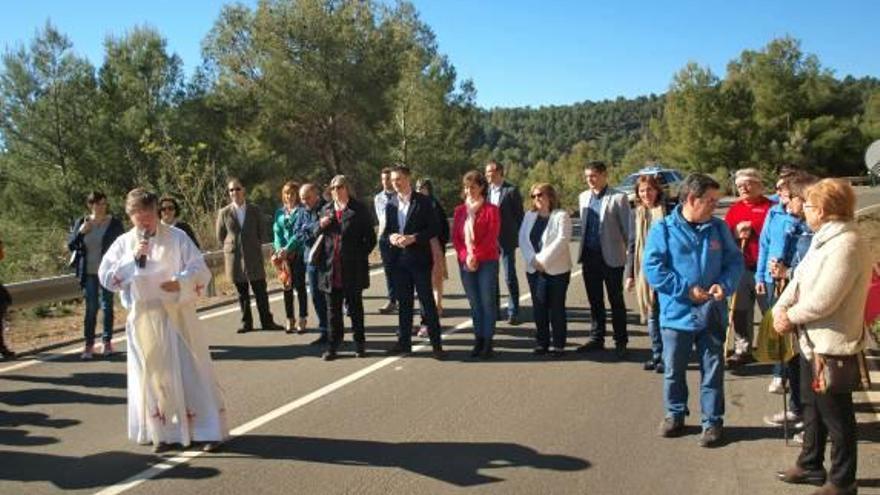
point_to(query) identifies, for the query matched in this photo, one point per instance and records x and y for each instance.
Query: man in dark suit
(410, 223)
(343, 266)
(506, 197)
(241, 230)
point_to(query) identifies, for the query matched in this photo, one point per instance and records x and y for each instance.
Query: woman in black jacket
(89, 239)
(342, 262)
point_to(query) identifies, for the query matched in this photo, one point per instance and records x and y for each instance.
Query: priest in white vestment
(173, 394)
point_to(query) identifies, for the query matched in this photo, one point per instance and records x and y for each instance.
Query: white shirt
(239, 212)
(495, 194)
(403, 203)
(339, 206)
(380, 202)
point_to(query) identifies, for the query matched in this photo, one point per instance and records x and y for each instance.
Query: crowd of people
(796, 254)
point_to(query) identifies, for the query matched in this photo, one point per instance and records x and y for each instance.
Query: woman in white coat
(543, 241)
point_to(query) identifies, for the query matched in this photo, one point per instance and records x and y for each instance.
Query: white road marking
(77, 348)
(270, 416)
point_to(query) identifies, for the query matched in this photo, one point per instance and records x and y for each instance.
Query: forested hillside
(306, 89)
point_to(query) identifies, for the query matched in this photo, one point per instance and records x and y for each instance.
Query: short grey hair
(698, 185)
(139, 199)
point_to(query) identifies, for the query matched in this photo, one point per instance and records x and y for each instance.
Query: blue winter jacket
(800, 237)
(774, 242)
(679, 256)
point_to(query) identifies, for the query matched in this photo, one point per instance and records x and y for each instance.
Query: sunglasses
(167, 208)
(333, 188)
(537, 195)
(234, 189)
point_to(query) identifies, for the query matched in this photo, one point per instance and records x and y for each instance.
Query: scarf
(644, 294)
(473, 207)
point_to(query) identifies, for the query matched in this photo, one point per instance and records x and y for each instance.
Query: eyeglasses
(808, 206)
(234, 189)
(537, 195)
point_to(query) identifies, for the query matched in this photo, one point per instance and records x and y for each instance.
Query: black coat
(511, 209)
(77, 245)
(421, 221)
(358, 238)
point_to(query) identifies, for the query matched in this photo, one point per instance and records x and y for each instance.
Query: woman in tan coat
(825, 302)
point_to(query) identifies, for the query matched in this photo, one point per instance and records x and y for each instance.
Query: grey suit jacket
(614, 225)
(242, 244)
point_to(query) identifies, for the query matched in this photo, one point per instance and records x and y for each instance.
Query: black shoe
(329, 355)
(360, 350)
(398, 349)
(478, 347)
(593, 345)
(244, 330)
(438, 352)
(540, 350)
(711, 436)
(319, 341)
(799, 476)
(620, 351)
(671, 427)
(389, 308)
(556, 352)
(6, 353)
(487, 350)
(272, 326)
(649, 365)
(740, 359)
(161, 447)
(512, 320)
(660, 368)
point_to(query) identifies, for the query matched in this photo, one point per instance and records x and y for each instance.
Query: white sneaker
(87, 353)
(782, 417)
(798, 438)
(776, 386)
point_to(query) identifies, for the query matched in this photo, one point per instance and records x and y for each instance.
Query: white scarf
(473, 207)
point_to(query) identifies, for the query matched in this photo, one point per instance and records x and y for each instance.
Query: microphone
(142, 236)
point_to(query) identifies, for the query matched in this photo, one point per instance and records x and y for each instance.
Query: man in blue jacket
(304, 232)
(693, 263)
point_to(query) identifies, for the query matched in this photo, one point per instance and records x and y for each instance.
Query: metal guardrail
(65, 287)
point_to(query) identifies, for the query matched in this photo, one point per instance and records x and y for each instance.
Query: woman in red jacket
(475, 228)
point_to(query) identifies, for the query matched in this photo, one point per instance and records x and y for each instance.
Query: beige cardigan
(827, 296)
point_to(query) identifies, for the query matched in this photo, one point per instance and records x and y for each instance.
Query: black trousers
(597, 278)
(298, 283)
(244, 302)
(355, 301)
(828, 415)
(406, 280)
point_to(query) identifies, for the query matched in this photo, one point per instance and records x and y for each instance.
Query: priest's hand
(170, 286)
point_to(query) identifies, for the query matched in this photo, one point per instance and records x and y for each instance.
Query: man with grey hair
(304, 233)
(173, 394)
(693, 263)
(745, 219)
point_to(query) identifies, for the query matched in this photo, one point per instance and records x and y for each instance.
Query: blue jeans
(654, 331)
(91, 291)
(385, 253)
(319, 299)
(479, 287)
(508, 260)
(677, 347)
(548, 308)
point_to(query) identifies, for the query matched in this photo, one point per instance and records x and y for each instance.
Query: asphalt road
(377, 425)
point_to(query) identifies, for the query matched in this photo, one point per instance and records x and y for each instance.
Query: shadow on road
(94, 471)
(33, 396)
(90, 380)
(10, 422)
(457, 463)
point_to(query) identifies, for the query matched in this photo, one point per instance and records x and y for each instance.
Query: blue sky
(531, 52)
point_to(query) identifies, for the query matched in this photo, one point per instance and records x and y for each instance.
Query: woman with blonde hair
(288, 257)
(649, 208)
(543, 241)
(824, 303)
